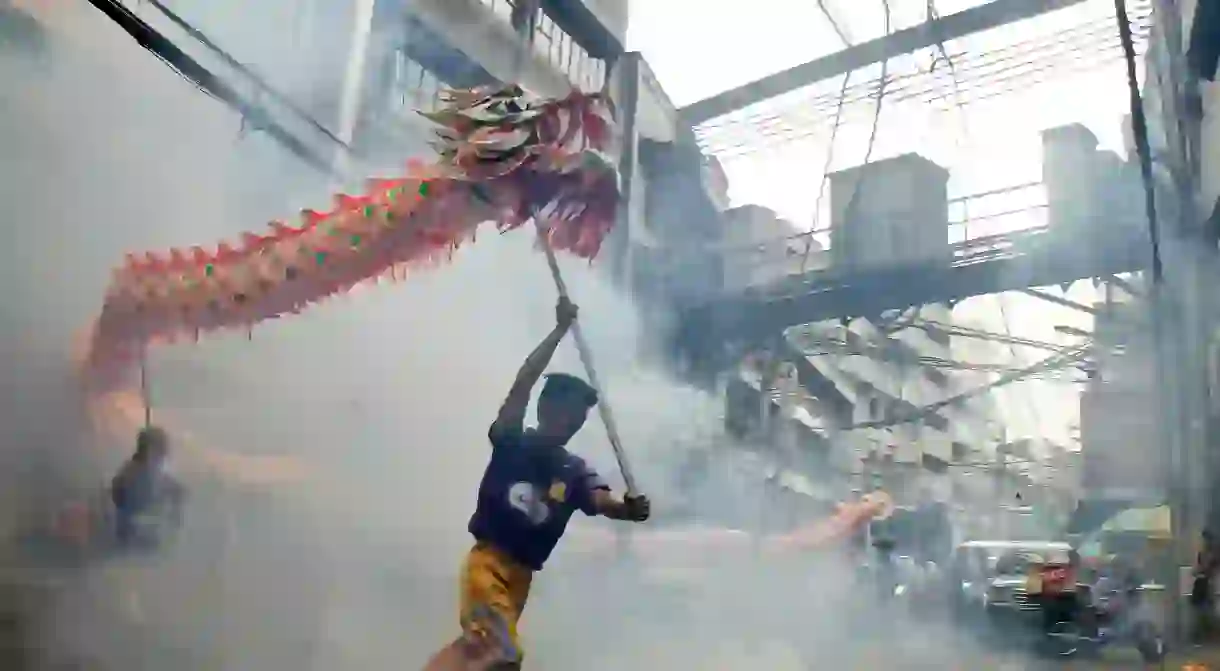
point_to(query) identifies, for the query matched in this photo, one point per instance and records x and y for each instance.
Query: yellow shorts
(495, 588)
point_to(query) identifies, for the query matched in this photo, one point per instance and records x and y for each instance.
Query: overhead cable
(742, 135)
(1050, 362)
(1073, 37)
(1020, 76)
(834, 134)
(1139, 129)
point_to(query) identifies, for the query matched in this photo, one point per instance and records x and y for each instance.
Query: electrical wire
(1030, 404)
(979, 334)
(890, 355)
(964, 135)
(834, 25)
(1139, 129)
(245, 70)
(826, 166)
(834, 134)
(1052, 361)
(730, 144)
(854, 200)
(983, 60)
(205, 80)
(725, 137)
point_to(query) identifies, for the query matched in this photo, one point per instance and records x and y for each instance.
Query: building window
(933, 464)
(939, 336)
(960, 452)
(936, 422)
(542, 36)
(560, 54)
(502, 8)
(937, 376)
(411, 86)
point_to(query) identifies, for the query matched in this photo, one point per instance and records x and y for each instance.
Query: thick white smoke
(387, 393)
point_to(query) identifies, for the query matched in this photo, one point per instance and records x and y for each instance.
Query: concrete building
(1118, 407)
(860, 380)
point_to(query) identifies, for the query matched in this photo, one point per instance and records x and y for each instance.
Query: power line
(979, 334)
(746, 132)
(891, 353)
(1099, 26)
(853, 201)
(1139, 129)
(746, 140)
(1030, 404)
(826, 165)
(964, 135)
(834, 25)
(834, 134)
(1051, 362)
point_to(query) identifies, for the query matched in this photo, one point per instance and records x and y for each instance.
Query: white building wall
(759, 248)
(876, 386)
(1156, 112)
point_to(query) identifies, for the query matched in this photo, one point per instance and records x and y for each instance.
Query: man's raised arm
(512, 411)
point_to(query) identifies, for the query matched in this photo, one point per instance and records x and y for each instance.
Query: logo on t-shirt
(525, 497)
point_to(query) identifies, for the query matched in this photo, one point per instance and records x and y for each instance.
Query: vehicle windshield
(1022, 560)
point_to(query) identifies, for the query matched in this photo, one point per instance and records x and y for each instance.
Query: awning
(1092, 514)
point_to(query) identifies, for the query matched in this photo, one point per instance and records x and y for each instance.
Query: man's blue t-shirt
(529, 492)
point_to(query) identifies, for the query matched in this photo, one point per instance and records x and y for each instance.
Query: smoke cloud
(386, 394)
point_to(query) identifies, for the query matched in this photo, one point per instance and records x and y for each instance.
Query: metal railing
(558, 47)
(983, 226)
(412, 87)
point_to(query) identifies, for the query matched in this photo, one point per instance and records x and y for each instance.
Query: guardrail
(988, 225)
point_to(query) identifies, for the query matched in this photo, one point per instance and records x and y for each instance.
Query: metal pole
(145, 392)
(524, 20)
(628, 103)
(586, 359)
(1172, 342)
(1185, 309)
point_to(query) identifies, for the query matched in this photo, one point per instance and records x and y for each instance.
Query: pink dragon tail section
(504, 158)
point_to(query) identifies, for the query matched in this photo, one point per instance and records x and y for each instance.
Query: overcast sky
(991, 141)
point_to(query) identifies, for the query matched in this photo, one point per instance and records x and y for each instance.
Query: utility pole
(1180, 317)
(999, 473)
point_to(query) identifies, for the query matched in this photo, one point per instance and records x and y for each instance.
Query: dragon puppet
(504, 158)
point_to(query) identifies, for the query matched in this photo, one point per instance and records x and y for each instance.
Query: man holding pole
(530, 489)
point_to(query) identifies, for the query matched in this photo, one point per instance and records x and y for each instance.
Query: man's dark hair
(151, 439)
(564, 388)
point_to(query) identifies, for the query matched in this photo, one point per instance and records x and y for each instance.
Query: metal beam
(255, 100)
(580, 23)
(1051, 298)
(1126, 286)
(978, 19)
(750, 317)
(838, 20)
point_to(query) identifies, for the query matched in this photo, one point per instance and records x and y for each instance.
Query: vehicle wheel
(1150, 644)
(1063, 639)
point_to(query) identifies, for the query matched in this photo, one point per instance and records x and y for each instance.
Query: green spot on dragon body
(321, 257)
(355, 241)
(423, 188)
(209, 270)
